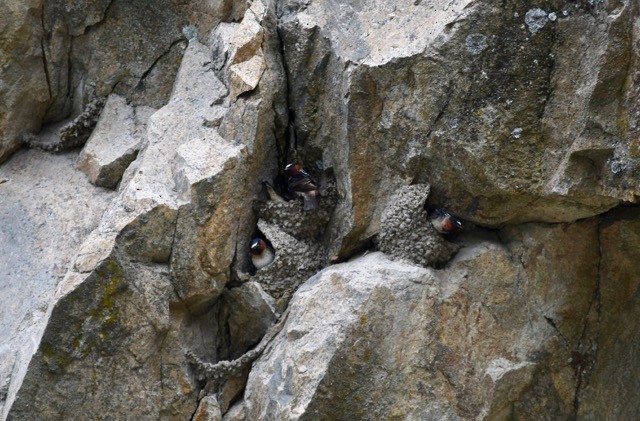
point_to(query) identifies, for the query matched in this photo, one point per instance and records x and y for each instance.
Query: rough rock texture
(40, 233)
(373, 339)
(23, 76)
(510, 115)
(57, 54)
(251, 313)
(521, 116)
(608, 389)
(208, 410)
(144, 285)
(115, 142)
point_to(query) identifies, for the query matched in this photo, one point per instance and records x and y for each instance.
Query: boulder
(47, 208)
(495, 106)
(487, 337)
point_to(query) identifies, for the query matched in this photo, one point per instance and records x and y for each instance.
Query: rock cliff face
(129, 285)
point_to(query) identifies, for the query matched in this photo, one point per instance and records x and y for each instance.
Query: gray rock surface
(57, 55)
(115, 141)
(47, 209)
(208, 410)
(376, 339)
(507, 124)
(144, 285)
(143, 304)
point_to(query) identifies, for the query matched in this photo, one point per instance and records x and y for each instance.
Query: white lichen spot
(516, 14)
(509, 101)
(565, 13)
(517, 132)
(475, 43)
(552, 16)
(453, 124)
(535, 19)
(190, 32)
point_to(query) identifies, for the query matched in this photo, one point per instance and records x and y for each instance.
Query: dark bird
(444, 223)
(273, 194)
(300, 183)
(261, 253)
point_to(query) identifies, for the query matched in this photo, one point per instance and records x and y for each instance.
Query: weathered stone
(115, 142)
(484, 120)
(250, 313)
(611, 359)
(117, 321)
(208, 410)
(236, 413)
(57, 55)
(24, 91)
(47, 209)
(145, 283)
(374, 339)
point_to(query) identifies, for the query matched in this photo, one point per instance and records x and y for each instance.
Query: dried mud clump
(296, 236)
(73, 134)
(406, 233)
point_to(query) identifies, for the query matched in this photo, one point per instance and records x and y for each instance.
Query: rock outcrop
(507, 123)
(145, 284)
(128, 284)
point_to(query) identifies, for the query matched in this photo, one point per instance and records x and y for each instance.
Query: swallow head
(292, 169)
(262, 255)
(444, 223)
(257, 246)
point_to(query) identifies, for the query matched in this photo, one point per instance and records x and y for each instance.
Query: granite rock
(506, 124)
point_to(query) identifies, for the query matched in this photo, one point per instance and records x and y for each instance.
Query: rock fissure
(162, 55)
(585, 355)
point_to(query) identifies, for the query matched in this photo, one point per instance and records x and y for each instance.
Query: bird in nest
(301, 184)
(262, 254)
(443, 222)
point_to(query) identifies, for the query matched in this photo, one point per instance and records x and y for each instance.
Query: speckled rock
(208, 410)
(376, 339)
(407, 234)
(495, 106)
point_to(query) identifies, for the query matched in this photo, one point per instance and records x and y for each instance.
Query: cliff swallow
(300, 183)
(444, 223)
(261, 253)
(273, 194)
